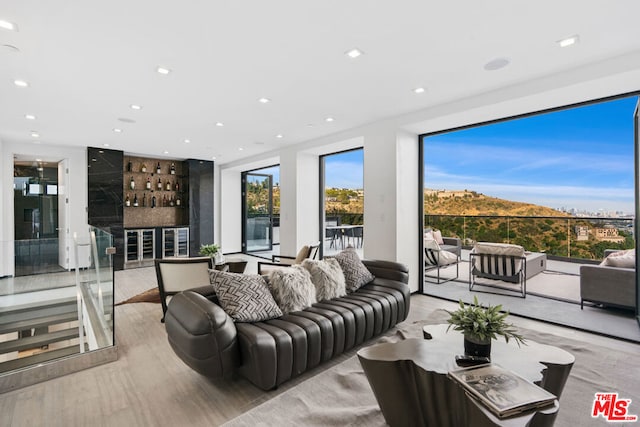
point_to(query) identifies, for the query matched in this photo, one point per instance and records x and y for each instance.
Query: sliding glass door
(257, 208)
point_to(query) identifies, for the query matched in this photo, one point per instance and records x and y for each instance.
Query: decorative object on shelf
(168, 186)
(172, 171)
(144, 200)
(159, 186)
(143, 168)
(153, 202)
(158, 170)
(129, 166)
(178, 201)
(480, 325)
(148, 184)
(135, 200)
(127, 201)
(132, 183)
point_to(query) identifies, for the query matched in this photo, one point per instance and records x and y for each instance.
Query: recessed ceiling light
(496, 64)
(264, 100)
(163, 70)
(279, 136)
(219, 124)
(354, 53)
(38, 160)
(569, 41)
(117, 130)
(329, 119)
(29, 117)
(105, 145)
(20, 83)
(187, 141)
(418, 90)
(240, 149)
(136, 107)
(8, 25)
(35, 134)
(125, 120)
(213, 158)
(166, 152)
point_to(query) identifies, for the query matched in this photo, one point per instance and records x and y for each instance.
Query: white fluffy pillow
(624, 259)
(292, 288)
(437, 235)
(327, 277)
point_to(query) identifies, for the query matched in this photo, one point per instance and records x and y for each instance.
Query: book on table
(502, 391)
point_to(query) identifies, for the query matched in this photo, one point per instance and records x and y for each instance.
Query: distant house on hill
(608, 234)
(582, 232)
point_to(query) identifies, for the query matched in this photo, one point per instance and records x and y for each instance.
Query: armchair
(436, 258)
(306, 252)
(179, 274)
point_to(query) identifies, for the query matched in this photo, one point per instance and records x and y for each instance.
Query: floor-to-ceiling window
(559, 183)
(342, 183)
(261, 210)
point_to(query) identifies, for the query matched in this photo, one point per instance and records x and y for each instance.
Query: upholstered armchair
(306, 252)
(179, 274)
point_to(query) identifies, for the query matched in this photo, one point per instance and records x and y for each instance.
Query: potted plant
(211, 250)
(480, 325)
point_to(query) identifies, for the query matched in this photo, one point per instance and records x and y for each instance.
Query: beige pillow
(624, 259)
(292, 288)
(302, 255)
(437, 234)
(327, 277)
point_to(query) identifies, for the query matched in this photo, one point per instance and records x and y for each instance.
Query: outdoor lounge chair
(436, 258)
(499, 262)
(307, 251)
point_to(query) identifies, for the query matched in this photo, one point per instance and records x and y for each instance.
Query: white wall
(230, 197)
(76, 189)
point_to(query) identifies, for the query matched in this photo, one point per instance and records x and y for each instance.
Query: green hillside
(475, 217)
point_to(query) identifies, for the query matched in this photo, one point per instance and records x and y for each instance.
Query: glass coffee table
(410, 382)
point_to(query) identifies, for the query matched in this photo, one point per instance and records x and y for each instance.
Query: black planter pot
(475, 347)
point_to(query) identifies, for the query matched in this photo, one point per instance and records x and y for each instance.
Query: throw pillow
(356, 274)
(303, 253)
(244, 297)
(624, 259)
(292, 288)
(437, 234)
(327, 277)
(433, 255)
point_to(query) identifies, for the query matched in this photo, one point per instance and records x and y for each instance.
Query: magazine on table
(502, 391)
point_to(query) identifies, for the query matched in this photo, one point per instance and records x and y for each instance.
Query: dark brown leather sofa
(271, 352)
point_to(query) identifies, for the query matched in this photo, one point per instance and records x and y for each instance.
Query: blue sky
(579, 158)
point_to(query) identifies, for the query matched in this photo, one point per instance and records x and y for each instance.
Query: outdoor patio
(553, 295)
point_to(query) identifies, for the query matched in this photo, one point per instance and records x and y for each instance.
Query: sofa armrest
(388, 270)
(206, 291)
(202, 334)
(608, 285)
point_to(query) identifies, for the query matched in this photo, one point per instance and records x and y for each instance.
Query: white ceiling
(88, 61)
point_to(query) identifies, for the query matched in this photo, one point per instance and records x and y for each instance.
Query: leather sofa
(268, 353)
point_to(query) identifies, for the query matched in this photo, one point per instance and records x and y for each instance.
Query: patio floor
(552, 296)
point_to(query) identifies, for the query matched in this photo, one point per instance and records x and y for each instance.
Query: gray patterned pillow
(327, 277)
(244, 297)
(292, 289)
(356, 274)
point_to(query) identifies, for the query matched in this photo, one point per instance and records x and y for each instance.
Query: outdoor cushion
(624, 259)
(434, 255)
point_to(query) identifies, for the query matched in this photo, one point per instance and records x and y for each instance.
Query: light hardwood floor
(149, 386)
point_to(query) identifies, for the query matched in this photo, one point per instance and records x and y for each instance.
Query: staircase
(55, 324)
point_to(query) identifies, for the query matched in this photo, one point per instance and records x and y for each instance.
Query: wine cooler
(140, 245)
(175, 242)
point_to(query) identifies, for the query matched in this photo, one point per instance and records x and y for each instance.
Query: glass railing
(94, 287)
(39, 313)
(563, 237)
